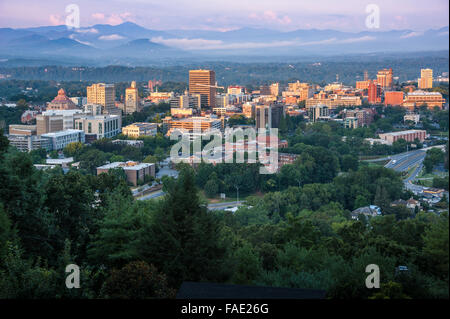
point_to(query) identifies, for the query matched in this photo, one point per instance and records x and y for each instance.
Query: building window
(99, 128)
(80, 126)
(89, 127)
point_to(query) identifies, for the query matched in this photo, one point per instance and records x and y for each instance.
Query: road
(217, 206)
(405, 161)
(221, 206)
(152, 195)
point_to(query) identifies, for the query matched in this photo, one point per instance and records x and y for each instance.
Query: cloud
(411, 35)
(89, 30)
(98, 16)
(114, 18)
(111, 37)
(204, 44)
(56, 19)
(361, 39)
(271, 17)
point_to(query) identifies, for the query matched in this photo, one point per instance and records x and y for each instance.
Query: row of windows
(109, 126)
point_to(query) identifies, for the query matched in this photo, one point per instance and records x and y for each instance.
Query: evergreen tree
(183, 239)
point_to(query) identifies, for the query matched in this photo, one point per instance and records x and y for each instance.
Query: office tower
(268, 116)
(373, 93)
(384, 78)
(277, 112)
(61, 102)
(103, 94)
(426, 79)
(275, 89)
(203, 82)
(131, 99)
(264, 90)
(366, 75)
(262, 116)
(317, 112)
(150, 86)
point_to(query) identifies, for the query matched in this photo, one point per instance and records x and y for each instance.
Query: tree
(5, 233)
(382, 198)
(349, 162)
(436, 247)
(122, 224)
(72, 149)
(361, 201)
(38, 156)
(183, 238)
(150, 159)
(247, 265)
(211, 188)
(390, 290)
(54, 154)
(137, 280)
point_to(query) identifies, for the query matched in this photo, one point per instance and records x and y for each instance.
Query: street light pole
(237, 191)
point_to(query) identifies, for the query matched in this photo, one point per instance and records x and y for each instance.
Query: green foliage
(182, 240)
(137, 280)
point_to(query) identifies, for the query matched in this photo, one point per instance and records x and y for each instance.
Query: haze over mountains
(131, 44)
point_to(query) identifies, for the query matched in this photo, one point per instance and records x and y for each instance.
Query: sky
(224, 15)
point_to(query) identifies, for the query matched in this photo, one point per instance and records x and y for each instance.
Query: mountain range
(129, 43)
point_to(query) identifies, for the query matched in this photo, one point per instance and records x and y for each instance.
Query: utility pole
(237, 191)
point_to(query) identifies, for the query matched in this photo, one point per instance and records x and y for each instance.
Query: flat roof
(59, 160)
(62, 133)
(404, 132)
(424, 93)
(137, 166)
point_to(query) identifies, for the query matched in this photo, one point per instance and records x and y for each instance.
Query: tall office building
(384, 78)
(131, 99)
(262, 116)
(426, 79)
(366, 75)
(275, 89)
(269, 116)
(105, 95)
(374, 93)
(317, 112)
(203, 82)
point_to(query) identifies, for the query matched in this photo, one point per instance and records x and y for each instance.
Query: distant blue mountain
(129, 40)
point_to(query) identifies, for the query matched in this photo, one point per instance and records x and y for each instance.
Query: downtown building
(61, 102)
(104, 95)
(409, 136)
(195, 126)
(99, 126)
(203, 82)
(139, 129)
(59, 140)
(420, 98)
(131, 103)
(426, 79)
(134, 171)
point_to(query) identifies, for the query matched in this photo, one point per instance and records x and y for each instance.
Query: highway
(405, 161)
